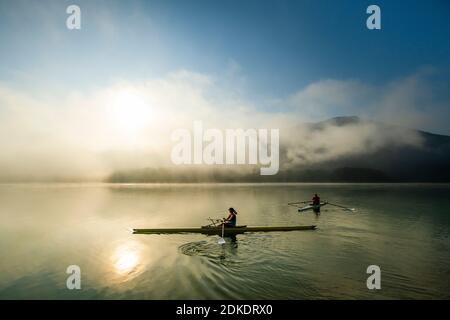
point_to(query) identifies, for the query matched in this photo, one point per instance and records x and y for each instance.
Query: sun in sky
(130, 113)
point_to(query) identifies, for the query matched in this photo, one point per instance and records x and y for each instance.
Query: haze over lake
(403, 228)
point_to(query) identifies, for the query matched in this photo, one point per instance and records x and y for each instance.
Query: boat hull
(315, 208)
(218, 230)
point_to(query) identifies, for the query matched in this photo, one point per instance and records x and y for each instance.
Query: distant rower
(230, 221)
(316, 203)
(316, 200)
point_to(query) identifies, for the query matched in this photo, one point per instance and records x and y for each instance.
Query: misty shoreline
(318, 153)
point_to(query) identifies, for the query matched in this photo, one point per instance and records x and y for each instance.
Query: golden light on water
(126, 262)
(126, 259)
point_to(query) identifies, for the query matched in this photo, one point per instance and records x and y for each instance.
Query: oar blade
(221, 241)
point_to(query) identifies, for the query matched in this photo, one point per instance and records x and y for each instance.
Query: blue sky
(280, 46)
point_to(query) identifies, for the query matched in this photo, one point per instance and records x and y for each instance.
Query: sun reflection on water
(126, 259)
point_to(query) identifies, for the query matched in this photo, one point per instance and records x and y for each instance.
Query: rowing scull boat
(217, 230)
(314, 207)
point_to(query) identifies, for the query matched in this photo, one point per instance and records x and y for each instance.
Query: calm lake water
(44, 228)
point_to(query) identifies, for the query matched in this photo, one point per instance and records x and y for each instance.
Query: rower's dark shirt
(232, 221)
(316, 200)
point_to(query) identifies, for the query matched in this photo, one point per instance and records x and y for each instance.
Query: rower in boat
(230, 221)
(316, 203)
(229, 228)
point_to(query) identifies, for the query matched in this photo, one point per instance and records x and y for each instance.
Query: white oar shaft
(337, 205)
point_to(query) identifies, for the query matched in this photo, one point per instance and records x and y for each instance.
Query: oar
(213, 221)
(337, 205)
(222, 240)
(294, 204)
